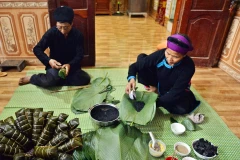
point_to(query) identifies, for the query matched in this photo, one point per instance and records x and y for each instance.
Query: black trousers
(51, 78)
(186, 103)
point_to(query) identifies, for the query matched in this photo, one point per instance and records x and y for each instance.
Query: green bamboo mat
(213, 128)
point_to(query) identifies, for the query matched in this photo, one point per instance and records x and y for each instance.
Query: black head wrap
(64, 14)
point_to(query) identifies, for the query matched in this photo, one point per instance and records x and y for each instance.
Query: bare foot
(24, 80)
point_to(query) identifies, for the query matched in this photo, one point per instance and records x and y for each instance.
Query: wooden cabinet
(103, 7)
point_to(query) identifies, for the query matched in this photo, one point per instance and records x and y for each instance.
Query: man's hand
(67, 67)
(130, 86)
(55, 64)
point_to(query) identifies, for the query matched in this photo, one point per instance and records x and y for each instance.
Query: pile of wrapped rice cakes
(38, 135)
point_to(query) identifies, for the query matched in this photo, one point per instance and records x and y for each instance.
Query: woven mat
(213, 129)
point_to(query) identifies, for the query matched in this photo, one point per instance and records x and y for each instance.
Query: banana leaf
(4, 127)
(120, 142)
(8, 150)
(87, 97)
(128, 112)
(46, 152)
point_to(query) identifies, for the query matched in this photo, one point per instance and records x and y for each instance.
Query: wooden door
(84, 20)
(207, 24)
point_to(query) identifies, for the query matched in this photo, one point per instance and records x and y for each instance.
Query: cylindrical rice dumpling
(29, 115)
(58, 139)
(75, 133)
(64, 156)
(62, 117)
(73, 123)
(71, 145)
(38, 126)
(9, 120)
(45, 152)
(5, 140)
(22, 121)
(62, 127)
(7, 150)
(20, 138)
(48, 131)
(22, 156)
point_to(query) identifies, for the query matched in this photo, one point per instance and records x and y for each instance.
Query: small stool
(19, 64)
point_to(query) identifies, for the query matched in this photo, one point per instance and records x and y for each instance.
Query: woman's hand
(67, 67)
(130, 86)
(55, 64)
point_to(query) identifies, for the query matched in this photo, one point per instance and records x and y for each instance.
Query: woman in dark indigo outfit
(66, 51)
(167, 72)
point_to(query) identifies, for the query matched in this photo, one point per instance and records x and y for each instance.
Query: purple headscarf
(179, 43)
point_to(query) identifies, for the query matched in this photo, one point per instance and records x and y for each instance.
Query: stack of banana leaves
(39, 135)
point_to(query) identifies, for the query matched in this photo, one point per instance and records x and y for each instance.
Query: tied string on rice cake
(22, 123)
(5, 140)
(48, 131)
(62, 127)
(15, 135)
(58, 139)
(46, 152)
(8, 150)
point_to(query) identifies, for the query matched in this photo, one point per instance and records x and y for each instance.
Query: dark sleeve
(42, 45)
(76, 61)
(145, 62)
(182, 83)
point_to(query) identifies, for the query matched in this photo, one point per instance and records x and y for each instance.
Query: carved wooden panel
(207, 24)
(10, 46)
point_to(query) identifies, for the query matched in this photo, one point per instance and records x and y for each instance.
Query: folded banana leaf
(4, 127)
(22, 156)
(38, 126)
(71, 145)
(75, 133)
(87, 97)
(9, 120)
(58, 139)
(48, 131)
(128, 112)
(46, 152)
(22, 121)
(62, 117)
(73, 123)
(8, 150)
(36, 113)
(5, 140)
(120, 142)
(44, 115)
(64, 156)
(62, 127)
(20, 138)
(1, 122)
(29, 115)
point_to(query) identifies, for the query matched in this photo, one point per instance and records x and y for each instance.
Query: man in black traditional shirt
(167, 72)
(66, 51)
